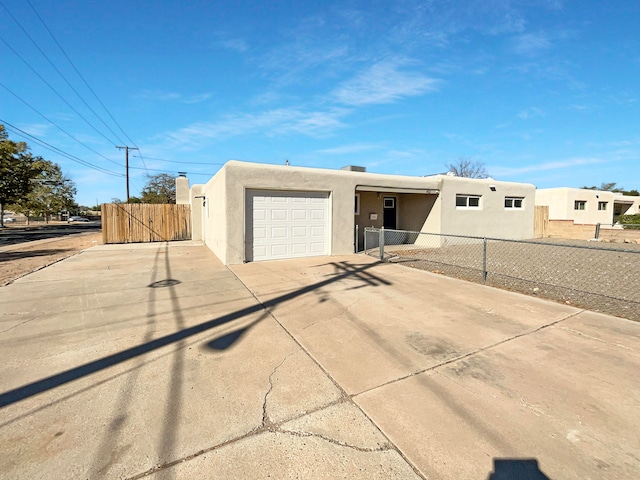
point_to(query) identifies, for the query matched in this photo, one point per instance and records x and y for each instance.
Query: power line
(80, 75)
(59, 72)
(184, 163)
(170, 171)
(50, 147)
(55, 91)
(56, 125)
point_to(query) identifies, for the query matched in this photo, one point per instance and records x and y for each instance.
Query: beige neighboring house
(586, 207)
(252, 212)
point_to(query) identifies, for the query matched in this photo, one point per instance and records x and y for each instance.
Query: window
(580, 205)
(513, 202)
(602, 205)
(470, 201)
(357, 212)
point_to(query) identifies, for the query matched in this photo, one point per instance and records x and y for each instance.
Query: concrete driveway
(155, 360)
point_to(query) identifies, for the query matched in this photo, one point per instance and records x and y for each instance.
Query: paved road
(16, 235)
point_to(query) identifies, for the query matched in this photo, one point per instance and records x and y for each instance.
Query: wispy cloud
(234, 44)
(530, 113)
(570, 163)
(384, 82)
(313, 123)
(36, 129)
(531, 44)
(160, 96)
(348, 149)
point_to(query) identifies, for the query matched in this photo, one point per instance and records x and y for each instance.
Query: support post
(381, 243)
(484, 260)
(126, 149)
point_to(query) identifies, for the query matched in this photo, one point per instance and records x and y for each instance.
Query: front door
(389, 212)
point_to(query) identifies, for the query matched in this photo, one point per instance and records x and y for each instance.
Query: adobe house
(252, 212)
(587, 207)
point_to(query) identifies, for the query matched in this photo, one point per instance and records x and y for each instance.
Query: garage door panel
(317, 214)
(279, 250)
(279, 232)
(286, 224)
(299, 249)
(259, 233)
(299, 214)
(317, 248)
(317, 232)
(279, 214)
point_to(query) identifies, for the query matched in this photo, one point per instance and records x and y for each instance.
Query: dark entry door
(389, 212)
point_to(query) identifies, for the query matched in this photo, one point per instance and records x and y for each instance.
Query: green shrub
(630, 221)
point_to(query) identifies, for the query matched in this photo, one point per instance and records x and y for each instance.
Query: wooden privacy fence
(141, 222)
(541, 222)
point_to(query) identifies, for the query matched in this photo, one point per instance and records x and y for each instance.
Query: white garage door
(286, 224)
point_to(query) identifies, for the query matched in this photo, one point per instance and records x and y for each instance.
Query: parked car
(8, 219)
(77, 219)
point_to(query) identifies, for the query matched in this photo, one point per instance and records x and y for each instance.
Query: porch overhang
(380, 189)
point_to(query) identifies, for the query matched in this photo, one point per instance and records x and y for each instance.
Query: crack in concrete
(582, 334)
(21, 323)
(386, 447)
(266, 421)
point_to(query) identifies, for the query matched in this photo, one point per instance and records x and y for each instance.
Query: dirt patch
(19, 260)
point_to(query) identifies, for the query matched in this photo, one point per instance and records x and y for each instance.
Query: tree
(160, 188)
(611, 187)
(17, 168)
(465, 167)
(605, 187)
(51, 193)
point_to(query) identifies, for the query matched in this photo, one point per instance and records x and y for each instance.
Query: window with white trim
(513, 202)
(580, 205)
(602, 206)
(467, 201)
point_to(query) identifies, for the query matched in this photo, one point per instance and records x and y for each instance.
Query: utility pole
(126, 149)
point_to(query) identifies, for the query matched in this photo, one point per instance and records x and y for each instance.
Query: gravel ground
(21, 259)
(594, 276)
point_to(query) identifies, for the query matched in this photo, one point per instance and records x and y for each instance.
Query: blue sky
(540, 91)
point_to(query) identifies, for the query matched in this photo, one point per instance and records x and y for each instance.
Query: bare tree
(465, 167)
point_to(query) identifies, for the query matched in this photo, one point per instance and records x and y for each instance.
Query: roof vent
(354, 168)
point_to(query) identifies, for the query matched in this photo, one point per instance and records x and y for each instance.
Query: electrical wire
(56, 92)
(184, 163)
(60, 73)
(50, 147)
(57, 126)
(81, 76)
(168, 171)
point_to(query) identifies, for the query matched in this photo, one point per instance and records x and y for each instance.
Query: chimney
(354, 168)
(182, 189)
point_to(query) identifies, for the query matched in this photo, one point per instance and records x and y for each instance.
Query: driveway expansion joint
(470, 354)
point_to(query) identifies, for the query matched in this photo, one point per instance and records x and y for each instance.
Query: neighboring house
(251, 212)
(587, 207)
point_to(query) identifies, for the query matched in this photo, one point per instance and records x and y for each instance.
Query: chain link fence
(597, 276)
(617, 232)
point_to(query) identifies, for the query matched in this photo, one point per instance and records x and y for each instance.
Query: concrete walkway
(155, 360)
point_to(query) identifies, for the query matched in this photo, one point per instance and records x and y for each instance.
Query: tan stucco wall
(182, 191)
(226, 193)
(196, 212)
(561, 202)
(214, 217)
(492, 219)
